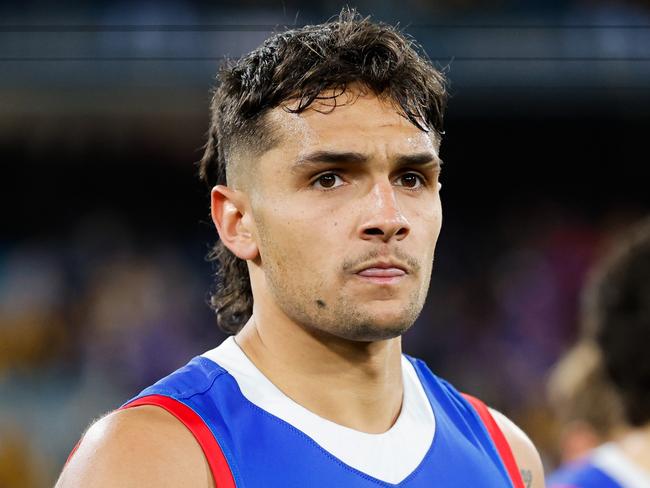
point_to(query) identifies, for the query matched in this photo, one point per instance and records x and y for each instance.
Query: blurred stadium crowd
(85, 322)
(103, 278)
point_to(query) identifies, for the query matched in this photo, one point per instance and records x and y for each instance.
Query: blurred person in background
(324, 168)
(587, 409)
(616, 317)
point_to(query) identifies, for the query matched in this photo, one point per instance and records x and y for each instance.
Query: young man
(323, 163)
(616, 314)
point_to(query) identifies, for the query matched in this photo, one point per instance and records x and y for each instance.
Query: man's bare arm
(526, 455)
(138, 447)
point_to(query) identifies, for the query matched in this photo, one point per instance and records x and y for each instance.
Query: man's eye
(328, 180)
(410, 180)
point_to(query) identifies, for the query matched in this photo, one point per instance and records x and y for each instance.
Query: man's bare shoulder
(525, 452)
(137, 447)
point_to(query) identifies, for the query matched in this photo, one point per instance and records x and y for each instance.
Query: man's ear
(233, 222)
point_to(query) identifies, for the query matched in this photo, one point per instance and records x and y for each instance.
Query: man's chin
(374, 330)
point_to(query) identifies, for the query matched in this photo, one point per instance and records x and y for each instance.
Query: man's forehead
(361, 122)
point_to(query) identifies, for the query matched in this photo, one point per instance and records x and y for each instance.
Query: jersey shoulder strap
(219, 468)
(498, 438)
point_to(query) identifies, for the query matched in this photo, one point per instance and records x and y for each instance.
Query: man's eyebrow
(418, 159)
(331, 157)
(348, 157)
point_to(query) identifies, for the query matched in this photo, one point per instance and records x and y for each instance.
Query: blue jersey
(581, 475)
(605, 467)
(248, 447)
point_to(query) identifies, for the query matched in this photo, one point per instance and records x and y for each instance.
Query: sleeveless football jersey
(248, 444)
(606, 467)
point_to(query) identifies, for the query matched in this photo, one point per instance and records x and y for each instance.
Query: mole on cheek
(321, 304)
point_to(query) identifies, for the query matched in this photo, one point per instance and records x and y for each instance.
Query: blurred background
(105, 227)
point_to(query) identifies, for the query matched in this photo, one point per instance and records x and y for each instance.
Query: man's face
(347, 214)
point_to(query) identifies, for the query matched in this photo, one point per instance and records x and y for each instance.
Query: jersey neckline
(390, 456)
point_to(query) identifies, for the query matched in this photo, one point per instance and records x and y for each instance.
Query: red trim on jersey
(74, 449)
(218, 465)
(498, 438)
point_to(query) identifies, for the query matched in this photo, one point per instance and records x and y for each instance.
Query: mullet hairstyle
(300, 65)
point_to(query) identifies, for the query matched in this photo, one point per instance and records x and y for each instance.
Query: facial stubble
(341, 315)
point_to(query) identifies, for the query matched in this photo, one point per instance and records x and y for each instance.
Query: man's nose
(384, 219)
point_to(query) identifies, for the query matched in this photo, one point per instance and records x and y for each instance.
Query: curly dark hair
(301, 65)
(616, 311)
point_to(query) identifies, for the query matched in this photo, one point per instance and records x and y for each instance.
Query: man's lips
(381, 272)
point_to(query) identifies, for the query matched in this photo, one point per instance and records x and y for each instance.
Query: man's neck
(355, 384)
(636, 445)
